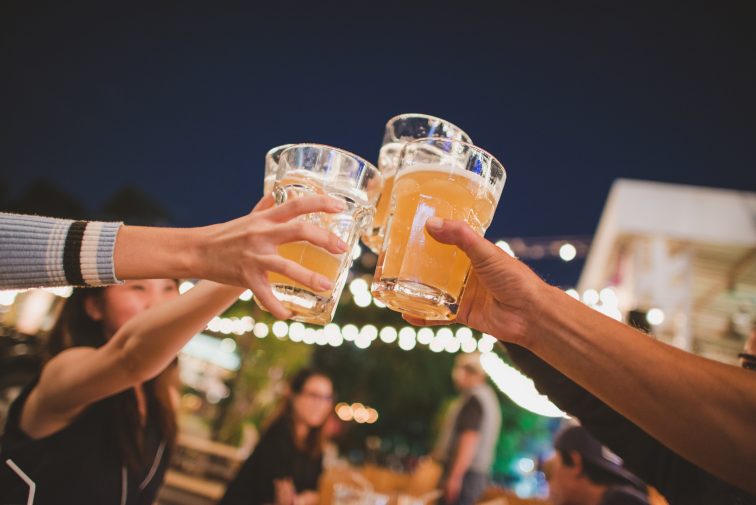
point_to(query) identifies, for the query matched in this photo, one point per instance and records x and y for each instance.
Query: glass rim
(337, 149)
(407, 115)
(466, 144)
(280, 148)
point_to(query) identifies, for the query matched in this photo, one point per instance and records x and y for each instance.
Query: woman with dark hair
(286, 464)
(97, 425)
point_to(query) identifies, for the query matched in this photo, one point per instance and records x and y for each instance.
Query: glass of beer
(271, 165)
(449, 179)
(313, 169)
(400, 130)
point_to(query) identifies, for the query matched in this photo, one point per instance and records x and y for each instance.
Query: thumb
(458, 233)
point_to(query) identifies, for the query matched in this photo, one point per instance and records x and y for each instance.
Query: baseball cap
(577, 438)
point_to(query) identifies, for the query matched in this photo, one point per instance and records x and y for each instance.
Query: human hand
(502, 296)
(452, 488)
(241, 252)
(285, 493)
(307, 498)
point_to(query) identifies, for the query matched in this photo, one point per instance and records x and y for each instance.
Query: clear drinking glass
(450, 179)
(400, 130)
(313, 169)
(271, 165)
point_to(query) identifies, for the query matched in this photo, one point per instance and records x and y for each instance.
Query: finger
(306, 205)
(296, 272)
(265, 203)
(269, 301)
(448, 231)
(294, 231)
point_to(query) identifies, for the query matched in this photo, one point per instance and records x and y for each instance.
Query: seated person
(287, 462)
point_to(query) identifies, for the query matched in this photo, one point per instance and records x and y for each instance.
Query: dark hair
(74, 328)
(595, 473)
(313, 444)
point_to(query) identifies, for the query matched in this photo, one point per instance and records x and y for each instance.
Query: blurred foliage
(260, 384)
(135, 207)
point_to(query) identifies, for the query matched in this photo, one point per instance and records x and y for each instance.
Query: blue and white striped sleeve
(40, 251)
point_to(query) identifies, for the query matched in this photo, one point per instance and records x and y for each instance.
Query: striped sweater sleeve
(42, 251)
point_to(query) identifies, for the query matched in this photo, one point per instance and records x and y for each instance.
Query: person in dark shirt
(683, 423)
(468, 437)
(286, 464)
(98, 424)
(583, 472)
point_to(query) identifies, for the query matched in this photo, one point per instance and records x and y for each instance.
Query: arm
(468, 424)
(643, 455)
(140, 350)
(672, 395)
(39, 251)
(680, 395)
(147, 343)
(467, 443)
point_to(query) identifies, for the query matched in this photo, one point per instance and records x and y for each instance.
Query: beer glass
(449, 179)
(271, 165)
(400, 130)
(313, 169)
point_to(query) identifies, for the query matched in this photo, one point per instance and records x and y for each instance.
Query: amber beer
(400, 130)
(311, 257)
(416, 274)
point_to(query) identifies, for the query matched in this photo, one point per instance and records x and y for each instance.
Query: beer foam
(449, 169)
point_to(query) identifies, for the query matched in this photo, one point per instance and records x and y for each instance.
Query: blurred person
(469, 433)
(648, 401)
(583, 472)
(40, 251)
(287, 463)
(98, 424)
(748, 356)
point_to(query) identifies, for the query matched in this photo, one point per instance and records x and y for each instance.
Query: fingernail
(338, 206)
(342, 246)
(325, 284)
(434, 223)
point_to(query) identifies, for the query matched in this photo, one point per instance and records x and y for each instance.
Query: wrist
(546, 300)
(191, 248)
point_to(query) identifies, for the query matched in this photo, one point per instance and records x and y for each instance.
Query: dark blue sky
(184, 99)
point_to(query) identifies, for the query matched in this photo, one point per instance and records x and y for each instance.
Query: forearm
(466, 446)
(156, 253)
(149, 341)
(673, 395)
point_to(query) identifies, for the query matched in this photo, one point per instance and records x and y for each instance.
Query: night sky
(183, 99)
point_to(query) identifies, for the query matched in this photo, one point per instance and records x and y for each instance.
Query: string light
(388, 334)
(260, 330)
(655, 316)
(356, 412)
(567, 252)
(280, 329)
(349, 332)
(518, 387)
(7, 297)
(296, 331)
(424, 336)
(185, 286)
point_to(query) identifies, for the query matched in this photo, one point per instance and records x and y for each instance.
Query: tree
(135, 207)
(44, 198)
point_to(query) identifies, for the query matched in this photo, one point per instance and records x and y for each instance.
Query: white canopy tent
(689, 253)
